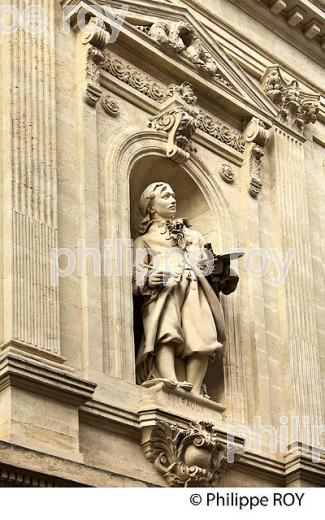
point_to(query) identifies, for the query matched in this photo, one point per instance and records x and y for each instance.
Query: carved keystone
(179, 118)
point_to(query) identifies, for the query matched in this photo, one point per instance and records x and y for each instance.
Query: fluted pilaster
(32, 189)
(303, 358)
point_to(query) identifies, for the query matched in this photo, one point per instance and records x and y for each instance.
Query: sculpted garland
(181, 38)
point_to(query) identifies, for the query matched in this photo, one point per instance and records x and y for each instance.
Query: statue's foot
(200, 393)
(169, 383)
(185, 385)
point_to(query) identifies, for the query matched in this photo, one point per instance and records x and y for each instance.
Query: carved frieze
(179, 119)
(220, 131)
(191, 117)
(159, 92)
(133, 77)
(193, 457)
(296, 107)
(181, 38)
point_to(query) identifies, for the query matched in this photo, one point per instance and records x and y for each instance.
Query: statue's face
(164, 203)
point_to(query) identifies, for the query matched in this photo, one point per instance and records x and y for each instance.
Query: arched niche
(135, 160)
(192, 205)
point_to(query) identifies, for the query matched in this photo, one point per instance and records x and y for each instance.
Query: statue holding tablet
(179, 279)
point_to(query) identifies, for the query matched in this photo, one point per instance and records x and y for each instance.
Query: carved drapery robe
(185, 311)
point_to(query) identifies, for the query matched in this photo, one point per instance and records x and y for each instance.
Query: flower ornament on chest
(176, 230)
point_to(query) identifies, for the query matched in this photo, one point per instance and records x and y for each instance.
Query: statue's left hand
(219, 267)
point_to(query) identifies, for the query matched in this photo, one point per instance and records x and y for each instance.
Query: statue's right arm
(140, 269)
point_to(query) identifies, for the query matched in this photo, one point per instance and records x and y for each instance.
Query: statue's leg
(165, 361)
(180, 366)
(197, 366)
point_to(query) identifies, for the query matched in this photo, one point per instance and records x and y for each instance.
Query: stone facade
(224, 101)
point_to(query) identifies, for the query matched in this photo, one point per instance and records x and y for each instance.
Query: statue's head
(157, 202)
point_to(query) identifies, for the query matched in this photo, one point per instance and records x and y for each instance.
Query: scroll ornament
(95, 37)
(159, 92)
(256, 138)
(193, 457)
(296, 107)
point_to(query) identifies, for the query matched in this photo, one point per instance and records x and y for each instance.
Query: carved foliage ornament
(181, 38)
(133, 77)
(219, 131)
(93, 90)
(296, 108)
(192, 457)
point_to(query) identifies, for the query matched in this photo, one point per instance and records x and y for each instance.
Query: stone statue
(179, 281)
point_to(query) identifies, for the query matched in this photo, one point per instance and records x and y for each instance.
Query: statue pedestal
(181, 404)
(183, 437)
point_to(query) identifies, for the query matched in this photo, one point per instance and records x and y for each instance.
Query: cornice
(11, 476)
(260, 13)
(22, 372)
(304, 17)
(24, 461)
(300, 464)
(246, 100)
(253, 58)
(113, 418)
(297, 464)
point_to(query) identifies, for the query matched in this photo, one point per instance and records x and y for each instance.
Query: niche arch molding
(122, 155)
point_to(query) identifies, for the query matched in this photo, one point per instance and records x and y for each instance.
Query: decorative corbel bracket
(296, 107)
(256, 136)
(179, 119)
(195, 456)
(95, 37)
